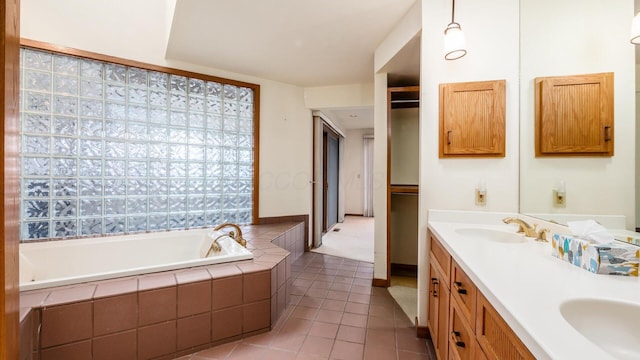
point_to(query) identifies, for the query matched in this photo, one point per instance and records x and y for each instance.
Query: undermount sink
(491, 235)
(609, 324)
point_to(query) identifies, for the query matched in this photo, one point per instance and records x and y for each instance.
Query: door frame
(390, 91)
(326, 133)
(320, 120)
(9, 225)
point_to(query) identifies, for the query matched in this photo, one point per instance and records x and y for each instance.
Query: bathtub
(54, 263)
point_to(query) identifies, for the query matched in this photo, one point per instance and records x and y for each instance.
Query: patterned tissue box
(610, 259)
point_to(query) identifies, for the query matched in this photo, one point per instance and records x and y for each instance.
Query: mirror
(575, 37)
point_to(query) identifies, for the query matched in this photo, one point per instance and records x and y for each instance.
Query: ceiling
(306, 43)
(403, 70)
(301, 42)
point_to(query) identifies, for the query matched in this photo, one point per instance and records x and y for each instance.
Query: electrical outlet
(559, 198)
(481, 197)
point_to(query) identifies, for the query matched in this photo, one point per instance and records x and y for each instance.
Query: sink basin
(611, 325)
(491, 235)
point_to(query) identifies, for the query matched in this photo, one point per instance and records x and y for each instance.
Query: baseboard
(353, 214)
(421, 331)
(290, 218)
(381, 282)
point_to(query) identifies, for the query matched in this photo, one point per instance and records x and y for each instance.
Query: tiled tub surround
(333, 313)
(168, 314)
(64, 262)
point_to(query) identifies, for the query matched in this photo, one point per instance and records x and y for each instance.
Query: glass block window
(114, 149)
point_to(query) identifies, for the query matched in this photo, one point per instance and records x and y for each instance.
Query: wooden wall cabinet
(462, 323)
(472, 119)
(574, 115)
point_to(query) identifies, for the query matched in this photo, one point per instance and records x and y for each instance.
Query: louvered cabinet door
(574, 115)
(495, 337)
(472, 119)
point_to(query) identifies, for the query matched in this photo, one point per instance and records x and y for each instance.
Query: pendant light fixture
(454, 44)
(635, 30)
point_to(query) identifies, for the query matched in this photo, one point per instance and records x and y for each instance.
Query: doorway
(327, 183)
(330, 171)
(345, 230)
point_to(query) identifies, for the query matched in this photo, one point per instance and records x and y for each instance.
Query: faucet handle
(542, 235)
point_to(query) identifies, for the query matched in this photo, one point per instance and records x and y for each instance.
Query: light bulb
(454, 43)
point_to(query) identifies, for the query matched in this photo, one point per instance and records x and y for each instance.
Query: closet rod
(405, 101)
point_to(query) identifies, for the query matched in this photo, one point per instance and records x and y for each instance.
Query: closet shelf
(403, 189)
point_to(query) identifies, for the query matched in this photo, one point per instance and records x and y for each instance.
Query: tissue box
(611, 259)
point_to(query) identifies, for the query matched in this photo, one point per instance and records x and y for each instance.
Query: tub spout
(215, 247)
(237, 235)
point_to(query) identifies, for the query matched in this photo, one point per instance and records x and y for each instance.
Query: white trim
(329, 123)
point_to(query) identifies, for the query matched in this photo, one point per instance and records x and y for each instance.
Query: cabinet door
(462, 339)
(464, 291)
(441, 255)
(574, 115)
(472, 119)
(495, 337)
(438, 310)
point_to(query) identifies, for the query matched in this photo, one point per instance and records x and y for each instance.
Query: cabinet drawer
(464, 291)
(462, 339)
(495, 337)
(442, 256)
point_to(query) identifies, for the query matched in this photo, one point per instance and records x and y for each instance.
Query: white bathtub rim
(232, 252)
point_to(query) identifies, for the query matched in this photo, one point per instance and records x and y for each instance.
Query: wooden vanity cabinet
(495, 337)
(462, 323)
(462, 338)
(464, 292)
(439, 297)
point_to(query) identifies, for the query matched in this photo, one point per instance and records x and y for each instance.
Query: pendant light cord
(453, 11)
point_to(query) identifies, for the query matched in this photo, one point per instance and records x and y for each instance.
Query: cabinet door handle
(455, 336)
(458, 286)
(434, 282)
(607, 133)
(449, 137)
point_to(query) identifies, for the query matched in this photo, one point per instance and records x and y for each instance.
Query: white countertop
(526, 285)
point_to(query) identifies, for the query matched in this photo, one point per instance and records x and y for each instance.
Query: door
(330, 161)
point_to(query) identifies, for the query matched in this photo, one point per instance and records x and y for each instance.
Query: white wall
(138, 30)
(354, 171)
(573, 37)
(637, 175)
(492, 54)
(340, 96)
(405, 142)
(401, 35)
(380, 178)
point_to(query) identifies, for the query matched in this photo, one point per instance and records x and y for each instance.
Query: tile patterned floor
(334, 313)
